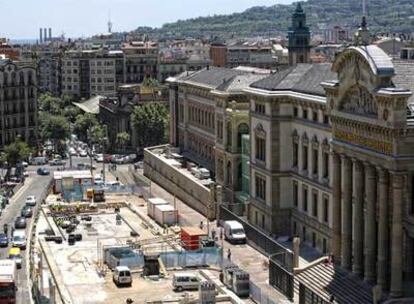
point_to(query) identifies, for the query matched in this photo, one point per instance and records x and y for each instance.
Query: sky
(78, 18)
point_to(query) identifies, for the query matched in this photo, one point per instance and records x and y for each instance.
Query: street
(34, 185)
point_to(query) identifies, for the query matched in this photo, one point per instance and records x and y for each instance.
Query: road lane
(34, 185)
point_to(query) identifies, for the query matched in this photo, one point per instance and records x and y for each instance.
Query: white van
(185, 281)
(122, 276)
(19, 239)
(234, 232)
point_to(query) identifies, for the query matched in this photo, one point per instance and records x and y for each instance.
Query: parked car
(43, 171)
(31, 201)
(20, 223)
(83, 153)
(26, 212)
(4, 240)
(25, 164)
(122, 276)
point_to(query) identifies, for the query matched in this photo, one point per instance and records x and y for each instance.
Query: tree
(122, 139)
(84, 122)
(71, 113)
(151, 122)
(50, 104)
(56, 129)
(15, 153)
(98, 135)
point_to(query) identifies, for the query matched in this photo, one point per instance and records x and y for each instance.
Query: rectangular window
(326, 119)
(295, 193)
(260, 108)
(260, 148)
(305, 199)
(326, 209)
(315, 204)
(304, 233)
(295, 112)
(314, 161)
(305, 114)
(260, 187)
(295, 154)
(315, 116)
(326, 165)
(305, 157)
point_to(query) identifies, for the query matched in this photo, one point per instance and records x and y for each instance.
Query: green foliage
(151, 124)
(98, 135)
(52, 105)
(383, 16)
(122, 139)
(16, 152)
(83, 123)
(54, 128)
(150, 82)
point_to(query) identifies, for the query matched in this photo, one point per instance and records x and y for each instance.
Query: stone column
(336, 207)
(358, 248)
(397, 236)
(370, 223)
(382, 228)
(346, 237)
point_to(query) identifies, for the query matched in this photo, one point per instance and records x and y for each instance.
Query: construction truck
(8, 281)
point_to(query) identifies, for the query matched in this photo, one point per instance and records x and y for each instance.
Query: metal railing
(280, 258)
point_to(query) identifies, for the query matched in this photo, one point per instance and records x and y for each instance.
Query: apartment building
(18, 102)
(141, 60)
(90, 73)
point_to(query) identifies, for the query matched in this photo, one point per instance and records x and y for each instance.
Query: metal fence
(280, 258)
(259, 296)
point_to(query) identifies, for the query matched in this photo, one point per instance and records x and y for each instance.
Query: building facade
(91, 73)
(331, 155)
(141, 60)
(49, 74)
(18, 102)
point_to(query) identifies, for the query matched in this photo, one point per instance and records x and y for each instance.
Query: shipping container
(152, 202)
(190, 237)
(165, 215)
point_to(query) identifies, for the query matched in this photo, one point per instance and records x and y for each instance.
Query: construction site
(80, 245)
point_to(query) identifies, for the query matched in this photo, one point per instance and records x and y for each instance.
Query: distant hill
(383, 16)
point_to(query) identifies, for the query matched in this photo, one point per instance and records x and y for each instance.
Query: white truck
(8, 281)
(234, 232)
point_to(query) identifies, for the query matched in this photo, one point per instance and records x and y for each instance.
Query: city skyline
(82, 19)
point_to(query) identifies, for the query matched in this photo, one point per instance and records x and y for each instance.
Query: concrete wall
(174, 181)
